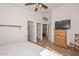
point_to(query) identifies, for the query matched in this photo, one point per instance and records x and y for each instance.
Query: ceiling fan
(37, 5)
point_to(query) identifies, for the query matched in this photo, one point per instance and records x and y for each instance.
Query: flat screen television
(65, 24)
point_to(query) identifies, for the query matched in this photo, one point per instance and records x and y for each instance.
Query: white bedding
(25, 49)
(47, 52)
(21, 49)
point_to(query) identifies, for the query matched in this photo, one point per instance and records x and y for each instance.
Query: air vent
(45, 18)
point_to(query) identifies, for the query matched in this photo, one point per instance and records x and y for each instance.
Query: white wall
(67, 11)
(13, 15)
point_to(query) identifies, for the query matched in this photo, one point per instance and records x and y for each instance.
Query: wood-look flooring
(65, 51)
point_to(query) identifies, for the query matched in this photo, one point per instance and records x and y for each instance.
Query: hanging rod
(11, 26)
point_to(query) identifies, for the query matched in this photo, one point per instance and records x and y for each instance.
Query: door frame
(41, 30)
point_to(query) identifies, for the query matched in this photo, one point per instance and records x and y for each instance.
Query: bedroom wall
(13, 15)
(66, 11)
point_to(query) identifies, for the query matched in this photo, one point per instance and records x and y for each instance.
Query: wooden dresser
(60, 37)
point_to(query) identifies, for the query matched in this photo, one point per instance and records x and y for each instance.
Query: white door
(31, 31)
(39, 31)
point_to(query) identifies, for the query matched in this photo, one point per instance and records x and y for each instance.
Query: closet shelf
(11, 26)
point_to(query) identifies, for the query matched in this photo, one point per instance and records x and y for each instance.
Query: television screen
(65, 24)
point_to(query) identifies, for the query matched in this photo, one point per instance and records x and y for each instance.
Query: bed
(24, 49)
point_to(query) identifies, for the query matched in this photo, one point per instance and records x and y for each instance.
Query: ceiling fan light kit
(37, 5)
(40, 5)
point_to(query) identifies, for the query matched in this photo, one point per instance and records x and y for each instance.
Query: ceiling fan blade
(29, 4)
(37, 5)
(36, 9)
(44, 6)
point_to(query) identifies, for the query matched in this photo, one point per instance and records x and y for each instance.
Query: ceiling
(51, 6)
(31, 7)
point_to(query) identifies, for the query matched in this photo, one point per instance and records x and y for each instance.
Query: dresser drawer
(60, 31)
(60, 38)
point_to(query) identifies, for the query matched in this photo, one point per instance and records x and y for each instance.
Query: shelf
(11, 26)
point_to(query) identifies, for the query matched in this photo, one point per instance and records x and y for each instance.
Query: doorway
(45, 31)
